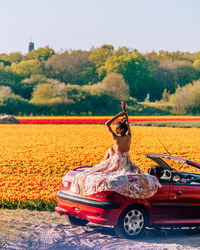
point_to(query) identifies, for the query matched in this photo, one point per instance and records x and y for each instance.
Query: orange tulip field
(34, 158)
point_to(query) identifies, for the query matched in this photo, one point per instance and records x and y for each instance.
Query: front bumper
(100, 212)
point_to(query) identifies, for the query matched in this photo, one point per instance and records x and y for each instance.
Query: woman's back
(122, 143)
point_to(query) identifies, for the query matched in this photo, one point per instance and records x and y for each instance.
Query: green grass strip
(168, 124)
(39, 205)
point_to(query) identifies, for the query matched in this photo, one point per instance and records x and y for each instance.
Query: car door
(184, 201)
(159, 212)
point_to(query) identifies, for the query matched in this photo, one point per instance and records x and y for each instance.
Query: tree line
(78, 82)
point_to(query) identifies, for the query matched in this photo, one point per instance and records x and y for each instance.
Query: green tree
(26, 86)
(134, 69)
(100, 55)
(4, 60)
(71, 67)
(44, 94)
(123, 50)
(41, 54)
(11, 103)
(27, 68)
(8, 77)
(196, 64)
(169, 74)
(197, 56)
(15, 57)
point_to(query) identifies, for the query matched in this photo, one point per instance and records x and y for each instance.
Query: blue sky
(80, 24)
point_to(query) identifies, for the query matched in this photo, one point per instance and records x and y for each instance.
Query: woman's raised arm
(123, 105)
(108, 123)
(128, 125)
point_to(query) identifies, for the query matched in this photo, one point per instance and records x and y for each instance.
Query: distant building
(30, 47)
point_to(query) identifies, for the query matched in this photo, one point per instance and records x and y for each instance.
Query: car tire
(76, 221)
(131, 223)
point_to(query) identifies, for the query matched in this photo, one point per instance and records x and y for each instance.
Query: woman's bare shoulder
(123, 138)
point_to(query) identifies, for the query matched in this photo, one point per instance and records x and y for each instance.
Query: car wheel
(131, 223)
(76, 221)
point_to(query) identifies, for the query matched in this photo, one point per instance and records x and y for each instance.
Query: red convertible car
(176, 203)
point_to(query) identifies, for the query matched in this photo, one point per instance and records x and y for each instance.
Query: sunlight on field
(34, 158)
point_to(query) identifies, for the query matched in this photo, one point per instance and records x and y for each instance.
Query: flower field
(34, 158)
(100, 120)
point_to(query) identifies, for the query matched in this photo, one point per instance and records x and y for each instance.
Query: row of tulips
(98, 120)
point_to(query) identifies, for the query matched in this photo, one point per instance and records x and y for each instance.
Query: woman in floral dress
(116, 172)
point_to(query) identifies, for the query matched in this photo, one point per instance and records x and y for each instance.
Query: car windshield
(181, 166)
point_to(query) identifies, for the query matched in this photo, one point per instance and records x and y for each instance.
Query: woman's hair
(122, 125)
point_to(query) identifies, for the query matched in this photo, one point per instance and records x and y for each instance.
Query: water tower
(30, 47)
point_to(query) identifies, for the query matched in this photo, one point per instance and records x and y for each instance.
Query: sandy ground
(23, 229)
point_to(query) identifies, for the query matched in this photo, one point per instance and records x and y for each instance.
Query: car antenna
(163, 146)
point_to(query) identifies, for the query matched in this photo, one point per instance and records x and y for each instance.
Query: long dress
(119, 174)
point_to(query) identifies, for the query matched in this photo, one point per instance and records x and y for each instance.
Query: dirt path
(23, 229)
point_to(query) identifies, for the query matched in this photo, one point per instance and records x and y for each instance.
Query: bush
(113, 84)
(186, 99)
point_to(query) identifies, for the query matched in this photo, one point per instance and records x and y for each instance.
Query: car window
(182, 167)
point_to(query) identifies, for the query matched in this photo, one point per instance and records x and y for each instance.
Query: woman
(116, 172)
(122, 140)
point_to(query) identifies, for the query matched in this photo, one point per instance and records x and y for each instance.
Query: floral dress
(118, 174)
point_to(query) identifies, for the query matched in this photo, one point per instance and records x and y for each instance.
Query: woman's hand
(121, 114)
(123, 105)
